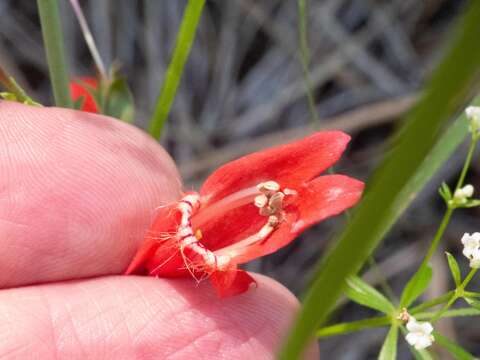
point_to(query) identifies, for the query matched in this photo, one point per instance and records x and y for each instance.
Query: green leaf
(473, 303)
(183, 45)
(389, 348)
(349, 327)
(53, 41)
(362, 293)
(416, 286)
(119, 101)
(415, 156)
(472, 203)
(454, 349)
(454, 269)
(445, 192)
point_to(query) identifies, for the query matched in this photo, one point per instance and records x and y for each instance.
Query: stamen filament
(236, 248)
(228, 203)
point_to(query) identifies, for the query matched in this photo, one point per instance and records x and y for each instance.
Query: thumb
(77, 192)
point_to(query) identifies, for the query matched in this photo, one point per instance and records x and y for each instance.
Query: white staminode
(463, 194)
(419, 334)
(471, 248)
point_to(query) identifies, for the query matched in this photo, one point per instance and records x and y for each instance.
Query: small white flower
(471, 243)
(473, 114)
(475, 259)
(471, 248)
(419, 334)
(461, 195)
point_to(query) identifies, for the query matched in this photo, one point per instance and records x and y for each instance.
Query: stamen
(240, 198)
(237, 248)
(268, 186)
(260, 201)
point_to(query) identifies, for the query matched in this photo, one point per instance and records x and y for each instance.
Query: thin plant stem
(12, 87)
(458, 293)
(438, 236)
(468, 160)
(53, 40)
(183, 45)
(431, 303)
(305, 57)
(87, 34)
(450, 209)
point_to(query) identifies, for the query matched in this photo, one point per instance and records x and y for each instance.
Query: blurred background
(245, 88)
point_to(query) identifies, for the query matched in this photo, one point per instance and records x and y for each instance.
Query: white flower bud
(473, 114)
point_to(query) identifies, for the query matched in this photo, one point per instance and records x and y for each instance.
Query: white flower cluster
(419, 333)
(471, 248)
(462, 195)
(473, 114)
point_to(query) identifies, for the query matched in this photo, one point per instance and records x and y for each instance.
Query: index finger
(77, 191)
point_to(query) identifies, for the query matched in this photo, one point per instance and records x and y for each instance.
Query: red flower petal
(290, 165)
(231, 282)
(78, 89)
(231, 227)
(157, 246)
(319, 199)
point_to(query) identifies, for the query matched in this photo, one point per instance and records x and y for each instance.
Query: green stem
(449, 212)
(468, 160)
(305, 57)
(438, 236)
(380, 321)
(431, 303)
(183, 45)
(53, 39)
(458, 293)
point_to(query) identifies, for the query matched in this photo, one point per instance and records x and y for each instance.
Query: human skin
(77, 192)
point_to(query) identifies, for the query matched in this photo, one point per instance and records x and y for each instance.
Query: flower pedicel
(247, 208)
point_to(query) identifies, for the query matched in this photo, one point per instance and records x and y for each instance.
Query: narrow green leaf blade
(183, 45)
(392, 187)
(349, 327)
(362, 293)
(416, 286)
(54, 47)
(454, 349)
(454, 269)
(389, 348)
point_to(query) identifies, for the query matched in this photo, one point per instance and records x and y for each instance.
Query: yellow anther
(198, 234)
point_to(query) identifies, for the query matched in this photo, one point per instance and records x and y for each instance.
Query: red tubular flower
(248, 208)
(78, 89)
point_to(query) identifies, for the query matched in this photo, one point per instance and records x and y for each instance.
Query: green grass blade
(183, 45)
(392, 185)
(53, 39)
